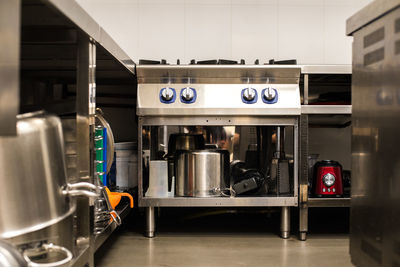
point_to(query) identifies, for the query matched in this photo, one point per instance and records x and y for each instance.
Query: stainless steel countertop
(79, 17)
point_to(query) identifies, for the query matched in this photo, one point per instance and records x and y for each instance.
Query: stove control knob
(269, 94)
(167, 94)
(249, 94)
(187, 94)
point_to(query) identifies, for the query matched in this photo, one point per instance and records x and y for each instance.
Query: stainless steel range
(218, 136)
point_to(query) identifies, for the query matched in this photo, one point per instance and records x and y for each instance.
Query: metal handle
(82, 189)
(85, 185)
(48, 248)
(75, 193)
(115, 217)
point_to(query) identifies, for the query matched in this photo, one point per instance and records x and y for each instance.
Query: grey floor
(194, 241)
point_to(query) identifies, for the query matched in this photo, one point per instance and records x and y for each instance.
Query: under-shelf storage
(325, 133)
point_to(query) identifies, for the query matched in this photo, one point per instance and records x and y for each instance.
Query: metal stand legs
(150, 222)
(285, 222)
(303, 222)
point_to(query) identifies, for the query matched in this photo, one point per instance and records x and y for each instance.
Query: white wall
(312, 31)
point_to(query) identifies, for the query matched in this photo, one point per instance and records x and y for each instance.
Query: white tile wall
(161, 30)
(254, 31)
(313, 31)
(207, 31)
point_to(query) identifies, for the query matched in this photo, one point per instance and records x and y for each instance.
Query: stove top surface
(218, 62)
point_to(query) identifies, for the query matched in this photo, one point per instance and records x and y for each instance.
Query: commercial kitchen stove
(244, 106)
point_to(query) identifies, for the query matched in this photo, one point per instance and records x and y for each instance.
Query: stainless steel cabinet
(375, 210)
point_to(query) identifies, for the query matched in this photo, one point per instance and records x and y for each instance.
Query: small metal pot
(200, 173)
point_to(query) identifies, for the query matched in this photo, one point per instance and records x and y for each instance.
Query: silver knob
(167, 94)
(249, 94)
(187, 94)
(269, 94)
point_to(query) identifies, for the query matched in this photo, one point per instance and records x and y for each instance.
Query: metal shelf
(79, 17)
(329, 202)
(220, 202)
(326, 109)
(103, 236)
(326, 69)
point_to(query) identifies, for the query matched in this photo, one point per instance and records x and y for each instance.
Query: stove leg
(285, 222)
(303, 223)
(303, 236)
(150, 222)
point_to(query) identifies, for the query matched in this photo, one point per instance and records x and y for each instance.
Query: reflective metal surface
(285, 222)
(326, 109)
(369, 13)
(375, 209)
(74, 12)
(199, 173)
(219, 120)
(150, 222)
(210, 74)
(32, 176)
(236, 85)
(219, 99)
(9, 65)
(326, 69)
(219, 201)
(10, 256)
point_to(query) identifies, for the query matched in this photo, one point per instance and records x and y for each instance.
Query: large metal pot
(178, 142)
(183, 141)
(35, 194)
(200, 173)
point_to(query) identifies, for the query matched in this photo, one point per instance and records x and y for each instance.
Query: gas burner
(217, 62)
(282, 62)
(152, 62)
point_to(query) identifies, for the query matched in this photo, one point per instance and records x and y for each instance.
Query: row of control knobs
(269, 95)
(188, 94)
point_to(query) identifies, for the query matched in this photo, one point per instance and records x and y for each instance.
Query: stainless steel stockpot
(200, 173)
(35, 193)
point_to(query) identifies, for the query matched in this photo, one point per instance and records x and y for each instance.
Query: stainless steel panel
(219, 120)
(218, 99)
(375, 210)
(329, 202)
(219, 202)
(9, 65)
(239, 74)
(326, 109)
(326, 69)
(85, 106)
(369, 13)
(74, 12)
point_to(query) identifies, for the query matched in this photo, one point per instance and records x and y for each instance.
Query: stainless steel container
(200, 173)
(35, 194)
(182, 141)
